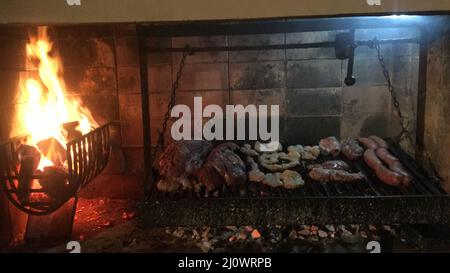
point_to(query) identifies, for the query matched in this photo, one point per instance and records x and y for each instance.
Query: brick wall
(101, 67)
(306, 83)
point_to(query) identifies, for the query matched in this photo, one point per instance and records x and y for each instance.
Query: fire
(47, 107)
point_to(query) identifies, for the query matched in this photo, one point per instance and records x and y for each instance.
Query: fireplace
(346, 77)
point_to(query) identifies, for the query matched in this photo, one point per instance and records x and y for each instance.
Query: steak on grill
(181, 160)
(222, 166)
(351, 149)
(330, 145)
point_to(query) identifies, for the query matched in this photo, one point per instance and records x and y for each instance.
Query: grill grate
(368, 201)
(421, 185)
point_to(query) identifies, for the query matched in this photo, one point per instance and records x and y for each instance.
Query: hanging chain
(404, 133)
(176, 83)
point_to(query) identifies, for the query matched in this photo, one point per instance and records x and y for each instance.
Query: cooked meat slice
(336, 165)
(183, 157)
(273, 180)
(168, 185)
(292, 179)
(329, 175)
(247, 150)
(351, 149)
(210, 178)
(330, 145)
(228, 165)
(256, 175)
(331, 165)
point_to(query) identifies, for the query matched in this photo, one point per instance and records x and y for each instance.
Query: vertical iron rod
(421, 96)
(148, 174)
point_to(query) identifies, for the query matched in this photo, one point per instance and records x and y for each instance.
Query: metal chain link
(176, 83)
(404, 133)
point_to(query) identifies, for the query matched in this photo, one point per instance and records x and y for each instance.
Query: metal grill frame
(86, 157)
(381, 208)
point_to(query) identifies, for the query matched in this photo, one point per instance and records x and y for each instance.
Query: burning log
(54, 182)
(53, 150)
(29, 158)
(71, 131)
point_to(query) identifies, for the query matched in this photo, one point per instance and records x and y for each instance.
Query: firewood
(71, 131)
(53, 150)
(29, 158)
(54, 182)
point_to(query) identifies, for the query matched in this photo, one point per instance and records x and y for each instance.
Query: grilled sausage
(388, 176)
(395, 175)
(394, 164)
(380, 142)
(398, 168)
(371, 159)
(386, 156)
(368, 143)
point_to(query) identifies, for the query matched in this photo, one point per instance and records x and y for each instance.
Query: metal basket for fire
(86, 157)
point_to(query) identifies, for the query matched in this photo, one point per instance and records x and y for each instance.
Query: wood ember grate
(86, 156)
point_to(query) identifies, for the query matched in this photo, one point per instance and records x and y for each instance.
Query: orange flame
(46, 106)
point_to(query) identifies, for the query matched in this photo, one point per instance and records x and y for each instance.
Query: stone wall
(306, 83)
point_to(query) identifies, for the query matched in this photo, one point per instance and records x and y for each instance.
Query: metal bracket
(344, 48)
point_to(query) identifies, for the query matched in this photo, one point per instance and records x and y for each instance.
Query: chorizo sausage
(388, 176)
(371, 159)
(368, 143)
(394, 164)
(391, 176)
(380, 142)
(386, 156)
(398, 168)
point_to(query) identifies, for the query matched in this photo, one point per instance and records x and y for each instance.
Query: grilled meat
(331, 165)
(395, 175)
(379, 141)
(330, 145)
(330, 175)
(181, 160)
(368, 143)
(292, 179)
(224, 166)
(351, 149)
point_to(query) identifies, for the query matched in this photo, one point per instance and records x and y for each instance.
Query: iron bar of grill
(273, 47)
(283, 26)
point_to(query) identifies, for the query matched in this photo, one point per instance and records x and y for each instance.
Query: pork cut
(330, 175)
(181, 160)
(223, 166)
(330, 146)
(351, 149)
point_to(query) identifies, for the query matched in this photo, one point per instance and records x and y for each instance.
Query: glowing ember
(46, 106)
